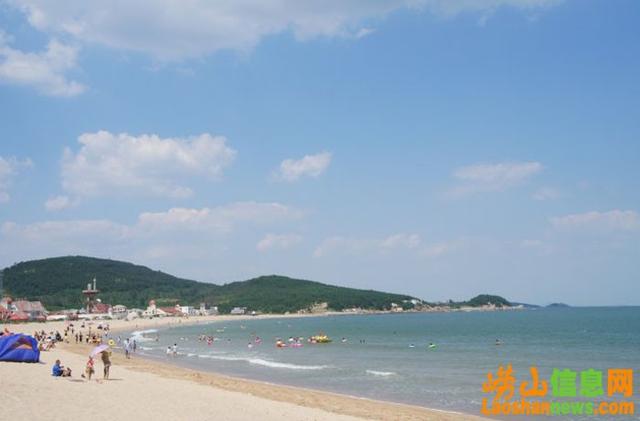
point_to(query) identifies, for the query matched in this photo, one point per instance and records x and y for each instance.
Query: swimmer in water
(498, 342)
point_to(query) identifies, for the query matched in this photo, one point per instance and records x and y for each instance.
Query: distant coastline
(75, 287)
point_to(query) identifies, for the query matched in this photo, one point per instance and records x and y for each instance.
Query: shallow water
(377, 360)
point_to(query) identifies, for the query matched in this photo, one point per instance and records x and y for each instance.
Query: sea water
(387, 357)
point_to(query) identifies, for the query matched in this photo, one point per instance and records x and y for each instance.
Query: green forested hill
(278, 294)
(58, 282)
(485, 299)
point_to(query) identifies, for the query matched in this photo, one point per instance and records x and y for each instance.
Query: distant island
(57, 283)
(558, 305)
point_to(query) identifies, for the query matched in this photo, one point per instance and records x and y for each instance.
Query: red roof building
(19, 316)
(100, 308)
(171, 311)
(34, 310)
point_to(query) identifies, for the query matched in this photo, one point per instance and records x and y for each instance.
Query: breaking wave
(264, 363)
(381, 373)
(139, 335)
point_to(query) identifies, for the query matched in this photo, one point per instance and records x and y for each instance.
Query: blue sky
(436, 148)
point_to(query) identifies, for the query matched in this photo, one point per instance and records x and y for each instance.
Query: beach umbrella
(99, 349)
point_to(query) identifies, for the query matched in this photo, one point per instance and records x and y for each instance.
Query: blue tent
(19, 348)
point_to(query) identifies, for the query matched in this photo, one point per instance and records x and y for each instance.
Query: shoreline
(316, 404)
(331, 402)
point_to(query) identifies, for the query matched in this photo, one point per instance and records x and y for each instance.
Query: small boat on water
(319, 339)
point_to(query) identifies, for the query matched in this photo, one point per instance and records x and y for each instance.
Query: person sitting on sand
(58, 370)
(106, 361)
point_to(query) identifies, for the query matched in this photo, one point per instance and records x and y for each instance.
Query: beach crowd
(83, 334)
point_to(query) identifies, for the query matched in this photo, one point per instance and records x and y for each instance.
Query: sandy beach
(150, 389)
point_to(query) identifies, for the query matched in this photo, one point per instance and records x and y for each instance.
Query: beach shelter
(19, 348)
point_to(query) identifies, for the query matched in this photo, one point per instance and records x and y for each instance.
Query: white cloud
(45, 71)
(395, 241)
(614, 220)
(278, 241)
(109, 164)
(58, 203)
(74, 233)
(439, 249)
(177, 234)
(175, 29)
(546, 193)
(341, 245)
(309, 165)
(451, 8)
(492, 177)
(217, 219)
(350, 245)
(9, 167)
(364, 32)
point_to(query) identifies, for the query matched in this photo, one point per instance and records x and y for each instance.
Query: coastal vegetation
(57, 282)
(558, 305)
(485, 299)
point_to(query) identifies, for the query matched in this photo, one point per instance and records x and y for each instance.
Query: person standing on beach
(88, 372)
(127, 348)
(106, 361)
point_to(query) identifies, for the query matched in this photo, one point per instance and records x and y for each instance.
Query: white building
(207, 310)
(188, 310)
(152, 310)
(118, 312)
(236, 311)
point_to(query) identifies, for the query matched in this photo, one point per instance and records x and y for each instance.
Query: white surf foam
(381, 373)
(264, 363)
(275, 364)
(138, 335)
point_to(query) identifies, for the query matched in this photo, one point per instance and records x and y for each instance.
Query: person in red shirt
(89, 370)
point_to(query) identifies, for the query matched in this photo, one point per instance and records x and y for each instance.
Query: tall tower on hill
(90, 295)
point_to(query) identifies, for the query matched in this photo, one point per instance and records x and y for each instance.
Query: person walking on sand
(127, 348)
(106, 361)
